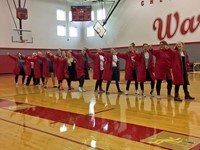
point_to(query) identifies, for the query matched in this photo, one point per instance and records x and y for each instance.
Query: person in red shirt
(163, 67)
(145, 68)
(111, 71)
(98, 62)
(82, 67)
(48, 69)
(61, 70)
(130, 68)
(29, 69)
(71, 65)
(19, 67)
(180, 69)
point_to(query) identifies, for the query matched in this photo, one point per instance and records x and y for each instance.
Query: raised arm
(123, 55)
(137, 56)
(154, 52)
(76, 55)
(102, 53)
(92, 56)
(31, 58)
(52, 57)
(12, 57)
(106, 55)
(42, 57)
(25, 57)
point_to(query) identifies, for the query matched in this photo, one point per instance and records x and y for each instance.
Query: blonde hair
(179, 42)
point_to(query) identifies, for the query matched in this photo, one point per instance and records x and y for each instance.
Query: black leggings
(69, 81)
(29, 78)
(185, 88)
(128, 85)
(37, 80)
(116, 83)
(81, 81)
(98, 84)
(142, 85)
(59, 83)
(169, 86)
(17, 76)
(43, 79)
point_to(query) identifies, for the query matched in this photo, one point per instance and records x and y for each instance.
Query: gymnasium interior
(38, 118)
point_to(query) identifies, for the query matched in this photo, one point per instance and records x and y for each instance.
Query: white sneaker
(158, 96)
(143, 94)
(137, 92)
(16, 85)
(151, 93)
(126, 93)
(80, 89)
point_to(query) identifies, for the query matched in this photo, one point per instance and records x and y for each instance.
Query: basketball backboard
(22, 36)
(99, 29)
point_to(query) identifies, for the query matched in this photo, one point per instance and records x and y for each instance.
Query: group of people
(148, 65)
(62, 65)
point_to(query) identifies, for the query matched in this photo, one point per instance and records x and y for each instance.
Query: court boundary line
(21, 94)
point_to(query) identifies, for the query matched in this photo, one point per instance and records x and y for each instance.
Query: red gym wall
(6, 64)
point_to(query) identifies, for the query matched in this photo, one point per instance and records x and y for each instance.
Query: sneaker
(120, 92)
(101, 91)
(137, 92)
(126, 93)
(143, 94)
(72, 88)
(96, 91)
(108, 93)
(151, 93)
(158, 96)
(16, 85)
(80, 89)
(170, 96)
(61, 88)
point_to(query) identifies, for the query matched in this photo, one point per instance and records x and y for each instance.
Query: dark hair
(145, 44)
(18, 54)
(164, 43)
(132, 44)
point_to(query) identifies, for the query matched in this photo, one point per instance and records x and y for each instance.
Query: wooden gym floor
(33, 118)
